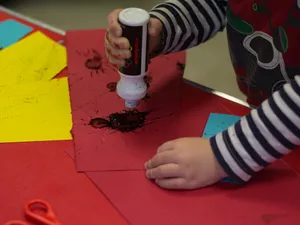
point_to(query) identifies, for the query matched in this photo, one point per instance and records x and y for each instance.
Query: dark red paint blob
(112, 86)
(127, 121)
(147, 97)
(94, 63)
(180, 66)
(148, 80)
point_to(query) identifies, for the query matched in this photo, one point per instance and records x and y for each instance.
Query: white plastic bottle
(132, 87)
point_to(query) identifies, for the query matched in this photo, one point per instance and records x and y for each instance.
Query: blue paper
(11, 32)
(217, 123)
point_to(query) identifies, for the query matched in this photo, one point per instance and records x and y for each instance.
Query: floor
(208, 64)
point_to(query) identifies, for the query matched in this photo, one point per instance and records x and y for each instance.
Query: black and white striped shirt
(266, 133)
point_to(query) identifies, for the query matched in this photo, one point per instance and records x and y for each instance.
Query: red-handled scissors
(47, 218)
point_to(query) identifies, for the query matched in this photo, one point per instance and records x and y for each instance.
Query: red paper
(275, 192)
(43, 170)
(106, 149)
(272, 197)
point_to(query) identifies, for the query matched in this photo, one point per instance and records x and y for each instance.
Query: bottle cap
(134, 17)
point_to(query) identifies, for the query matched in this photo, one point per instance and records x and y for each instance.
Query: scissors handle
(48, 218)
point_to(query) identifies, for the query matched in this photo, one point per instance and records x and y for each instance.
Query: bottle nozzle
(131, 104)
(132, 89)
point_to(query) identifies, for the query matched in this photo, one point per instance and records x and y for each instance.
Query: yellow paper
(35, 111)
(34, 58)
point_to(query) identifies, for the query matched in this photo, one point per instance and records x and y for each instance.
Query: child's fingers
(118, 42)
(116, 62)
(114, 31)
(171, 183)
(170, 170)
(113, 60)
(121, 42)
(161, 159)
(117, 53)
(113, 23)
(169, 145)
(155, 27)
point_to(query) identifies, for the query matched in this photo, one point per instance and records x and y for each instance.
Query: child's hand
(185, 163)
(117, 47)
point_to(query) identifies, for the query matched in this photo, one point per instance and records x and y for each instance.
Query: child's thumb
(155, 27)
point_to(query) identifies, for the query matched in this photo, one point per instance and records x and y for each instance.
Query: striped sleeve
(263, 136)
(187, 23)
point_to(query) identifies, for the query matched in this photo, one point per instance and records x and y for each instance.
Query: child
(264, 45)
